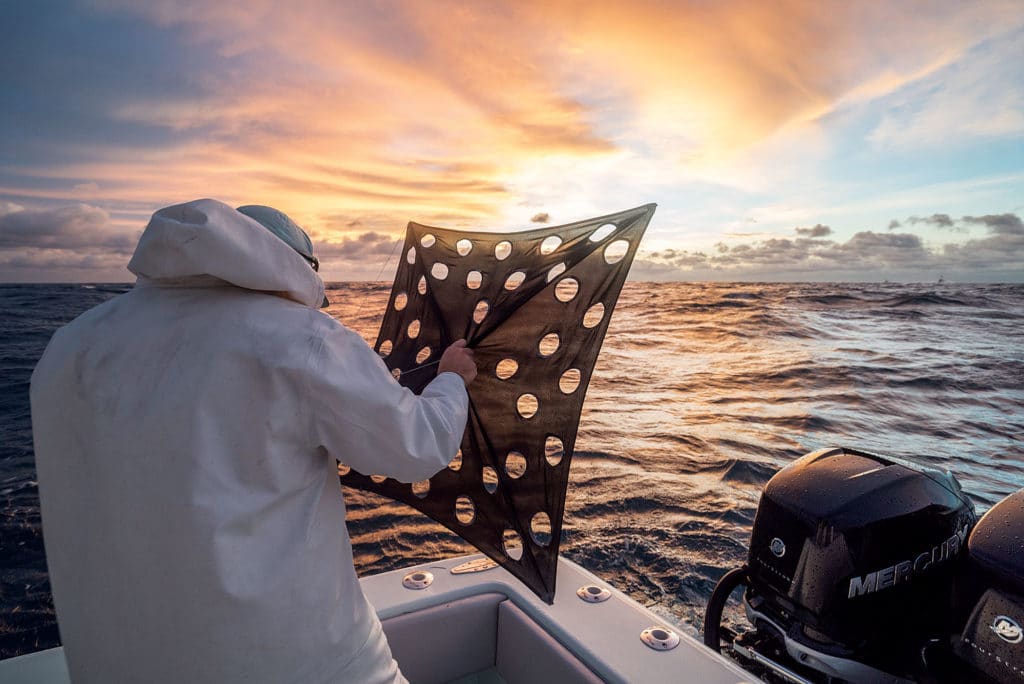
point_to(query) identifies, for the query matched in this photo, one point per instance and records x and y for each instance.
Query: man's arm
(368, 421)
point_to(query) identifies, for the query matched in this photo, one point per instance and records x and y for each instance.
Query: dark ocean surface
(701, 393)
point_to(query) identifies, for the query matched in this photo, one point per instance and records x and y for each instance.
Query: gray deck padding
(529, 655)
(445, 642)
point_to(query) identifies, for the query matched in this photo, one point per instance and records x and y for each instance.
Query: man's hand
(459, 360)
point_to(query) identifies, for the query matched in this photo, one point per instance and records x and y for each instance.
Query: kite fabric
(535, 306)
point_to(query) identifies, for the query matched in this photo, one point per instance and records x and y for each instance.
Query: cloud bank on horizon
(796, 140)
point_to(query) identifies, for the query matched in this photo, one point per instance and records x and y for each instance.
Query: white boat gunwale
(604, 637)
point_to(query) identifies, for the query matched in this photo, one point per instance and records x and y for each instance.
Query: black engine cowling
(989, 596)
(852, 557)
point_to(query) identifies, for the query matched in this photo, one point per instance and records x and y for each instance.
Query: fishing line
(419, 368)
(367, 294)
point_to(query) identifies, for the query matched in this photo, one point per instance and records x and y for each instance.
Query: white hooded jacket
(186, 437)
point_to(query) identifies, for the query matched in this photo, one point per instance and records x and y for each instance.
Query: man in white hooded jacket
(186, 439)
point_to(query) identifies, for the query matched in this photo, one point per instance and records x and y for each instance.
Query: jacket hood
(190, 243)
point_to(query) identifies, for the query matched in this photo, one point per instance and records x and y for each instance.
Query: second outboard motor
(850, 569)
(988, 637)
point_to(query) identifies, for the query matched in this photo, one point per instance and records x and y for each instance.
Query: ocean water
(701, 393)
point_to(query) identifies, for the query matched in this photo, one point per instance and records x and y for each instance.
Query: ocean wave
(925, 299)
(747, 472)
(751, 296)
(830, 299)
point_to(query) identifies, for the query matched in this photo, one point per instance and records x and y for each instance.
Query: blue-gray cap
(278, 223)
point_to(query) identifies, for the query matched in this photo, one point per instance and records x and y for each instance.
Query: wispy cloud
(939, 220)
(1001, 224)
(961, 101)
(815, 231)
(369, 246)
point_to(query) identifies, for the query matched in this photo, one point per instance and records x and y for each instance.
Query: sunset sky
(781, 140)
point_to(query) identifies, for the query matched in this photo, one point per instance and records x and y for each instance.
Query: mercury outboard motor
(850, 570)
(988, 599)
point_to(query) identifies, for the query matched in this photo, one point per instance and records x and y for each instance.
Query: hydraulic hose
(713, 614)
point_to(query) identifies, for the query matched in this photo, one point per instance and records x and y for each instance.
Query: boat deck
(487, 628)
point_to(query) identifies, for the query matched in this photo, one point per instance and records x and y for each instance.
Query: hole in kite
(378, 478)
(593, 316)
(548, 344)
(614, 252)
(490, 476)
(474, 279)
(424, 354)
(556, 270)
(550, 244)
(343, 470)
(502, 250)
(566, 289)
(569, 381)
(553, 450)
(410, 256)
(421, 488)
(384, 349)
(512, 543)
(465, 511)
(414, 329)
(396, 373)
(506, 368)
(463, 247)
(603, 232)
(439, 271)
(540, 528)
(515, 280)
(421, 286)
(526, 405)
(456, 463)
(427, 240)
(480, 312)
(401, 299)
(515, 464)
